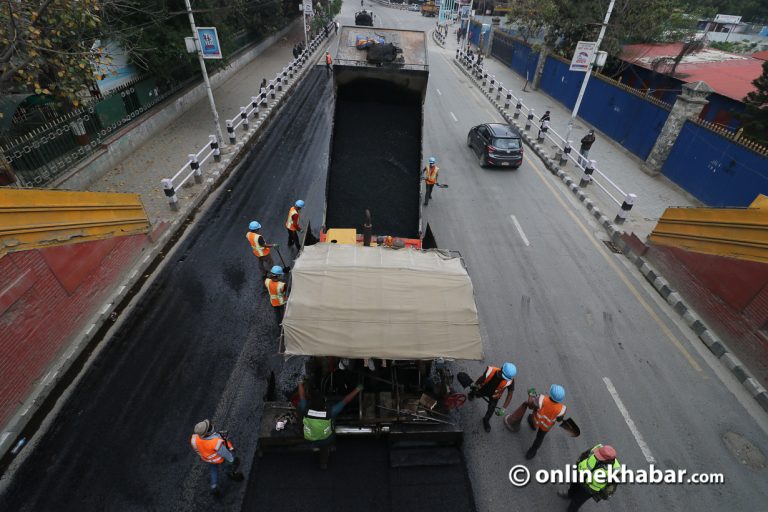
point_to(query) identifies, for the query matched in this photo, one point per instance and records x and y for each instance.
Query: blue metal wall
(628, 119)
(714, 169)
(515, 54)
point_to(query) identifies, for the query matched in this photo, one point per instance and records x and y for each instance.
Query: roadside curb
(617, 235)
(133, 283)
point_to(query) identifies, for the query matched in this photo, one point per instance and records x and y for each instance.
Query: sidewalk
(654, 194)
(167, 152)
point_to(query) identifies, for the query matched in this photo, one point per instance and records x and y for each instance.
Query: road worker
(260, 247)
(593, 461)
(430, 178)
(491, 385)
(318, 422)
(293, 224)
(547, 409)
(215, 449)
(278, 291)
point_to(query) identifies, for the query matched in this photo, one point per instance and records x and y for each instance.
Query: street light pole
(589, 70)
(208, 89)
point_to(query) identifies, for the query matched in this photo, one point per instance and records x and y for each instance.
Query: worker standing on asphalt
(544, 119)
(586, 145)
(260, 247)
(547, 409)
(491, 384)
(215, 449)
(430, 173)
(593, 462)
(278, 291)
(293, 224)
(318, 423)
(328, 62)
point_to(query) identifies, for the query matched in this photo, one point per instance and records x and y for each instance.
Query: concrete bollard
(507, 100)
(498, 92)
(214, 144)
(170, 193)
(255, 106)
(586, 176)
(231, 132)
(565, 154)
(485, 78)
(518, 109)
(458, 52)
(290, 71)
(195, 166)
(543, 131)
(529, 120)
(244, 117)
(492, 84)
(272, 90)
(279, 84)
(626, 206)
(263, 99)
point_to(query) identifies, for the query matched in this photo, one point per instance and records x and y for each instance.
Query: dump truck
(360, 295)
(429, 9)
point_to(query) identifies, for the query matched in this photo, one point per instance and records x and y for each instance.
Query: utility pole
(589, 70)
(199, 47)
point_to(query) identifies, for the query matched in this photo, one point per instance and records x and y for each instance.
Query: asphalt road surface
(551, 297)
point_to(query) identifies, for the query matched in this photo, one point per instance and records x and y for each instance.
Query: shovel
(512, 421)
(286, 268)
(570, 427)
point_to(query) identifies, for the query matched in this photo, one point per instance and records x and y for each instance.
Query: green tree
(755, 117)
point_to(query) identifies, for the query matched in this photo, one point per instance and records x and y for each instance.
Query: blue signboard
(209, 42)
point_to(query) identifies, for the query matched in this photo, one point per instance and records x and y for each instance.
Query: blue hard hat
(254, 226)
(508, 371)
(432, 160)
(557, 393)
(299, 204)
(277, 270)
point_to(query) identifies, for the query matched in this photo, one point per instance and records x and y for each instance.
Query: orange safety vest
(431, 177)
(258, 249)
(276, 291)
(292, 222)
(207, 448)
(548, 411)
(328, 58)
(503, 384)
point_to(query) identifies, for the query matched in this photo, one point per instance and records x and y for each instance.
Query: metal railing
(193, 168)
(438, 35)
(565, 151)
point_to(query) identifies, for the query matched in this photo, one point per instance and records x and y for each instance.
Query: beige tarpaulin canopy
(359, 302)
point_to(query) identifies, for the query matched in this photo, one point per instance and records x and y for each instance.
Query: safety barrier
(258, 110)
(438, 35)
(564, 150)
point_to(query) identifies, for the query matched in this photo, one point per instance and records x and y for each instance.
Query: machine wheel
(469, 141)
(483, 160)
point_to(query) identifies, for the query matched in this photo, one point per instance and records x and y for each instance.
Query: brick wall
(46, 297)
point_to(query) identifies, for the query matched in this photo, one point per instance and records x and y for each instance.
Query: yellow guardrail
(34, 218)
(734, 232)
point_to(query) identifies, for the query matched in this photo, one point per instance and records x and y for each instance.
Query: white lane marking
(454, 117)
(631, 424)
(438, 92)
(520, 230)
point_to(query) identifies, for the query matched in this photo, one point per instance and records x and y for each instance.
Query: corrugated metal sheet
(41, 218)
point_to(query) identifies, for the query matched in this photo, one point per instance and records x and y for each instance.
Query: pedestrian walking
(318, 421)
(260, 248)
(335, 27)
(326, 29)
(215, 449)
(295, 51)
(278, 291)
(593, 462)
(328, 62)
(544, 119)
(586, 145)
(547, 409)
(430, 173)
(293, 224)
(491, 385)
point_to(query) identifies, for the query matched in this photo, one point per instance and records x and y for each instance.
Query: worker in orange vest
(260, 247)
(547, 409)
(215, 449)
(430, 178)
(278, 291)
(491, 385)
(293, 224)
(328, 62)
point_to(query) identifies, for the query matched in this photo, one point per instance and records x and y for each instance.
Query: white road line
(631, 424)
(454, 117)
(520, 230)
(438, 92)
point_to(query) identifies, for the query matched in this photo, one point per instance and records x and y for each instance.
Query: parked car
(414, 7)
(496, 144)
